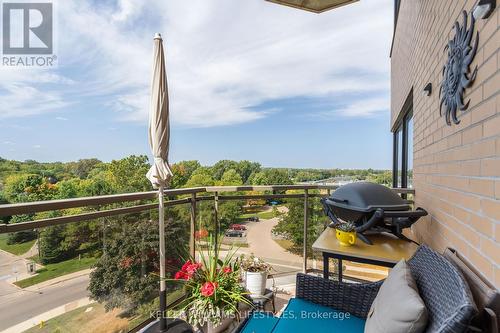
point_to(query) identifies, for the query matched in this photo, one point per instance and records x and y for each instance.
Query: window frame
(400, 154)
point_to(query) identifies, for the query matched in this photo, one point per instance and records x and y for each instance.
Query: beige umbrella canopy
(159, 125)
(159, 137)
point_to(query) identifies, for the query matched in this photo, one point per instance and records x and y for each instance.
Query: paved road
(23, 304)
(18, 305)
(11, 266)
(261, 244)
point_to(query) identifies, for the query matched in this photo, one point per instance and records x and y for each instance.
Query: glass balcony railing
(91, 264)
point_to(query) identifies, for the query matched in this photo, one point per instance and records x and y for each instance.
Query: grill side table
(386, 250)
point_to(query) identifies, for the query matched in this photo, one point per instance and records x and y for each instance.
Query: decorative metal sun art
(456, 72)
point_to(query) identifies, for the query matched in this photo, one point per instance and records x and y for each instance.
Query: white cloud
(127, 9)
(61, 118)
(21, 100)
(224, 58)
(365, 108)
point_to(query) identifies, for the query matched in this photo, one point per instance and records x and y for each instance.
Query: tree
(28, 187)
(126, 276)
(384, 178)
(69, 188)
(3, 201)
(290, 225)
(182, 172)
(200, 178)
(278, 177)
(21, 236)
(100, 184)
(83, 167)
(221, 167)
(229, 211)
(230, 178)
(129, 174)
(304, 176)
(246, 168)
(50, 244)
(85, 238)
(258, 178)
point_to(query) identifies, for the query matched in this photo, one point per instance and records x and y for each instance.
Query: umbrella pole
(163, 289)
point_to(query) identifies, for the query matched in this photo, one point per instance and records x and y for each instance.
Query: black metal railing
(100, 207)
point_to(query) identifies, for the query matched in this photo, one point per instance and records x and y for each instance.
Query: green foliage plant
(212, 287)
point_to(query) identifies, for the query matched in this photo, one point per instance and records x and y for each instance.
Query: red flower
(186, 265)
(208, 288)
(191, 269)
(227, 270)
(180, 275)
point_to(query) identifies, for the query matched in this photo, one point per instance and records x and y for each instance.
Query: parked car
(234, 233)
(253, 218)
(238, 227)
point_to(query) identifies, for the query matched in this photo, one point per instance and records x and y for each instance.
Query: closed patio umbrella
(159, 137)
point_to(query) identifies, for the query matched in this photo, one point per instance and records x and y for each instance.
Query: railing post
(329, 193)
(306, 220)
(216, 217)
(192, 238)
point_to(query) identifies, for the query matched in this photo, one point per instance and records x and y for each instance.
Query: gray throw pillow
(397, 308)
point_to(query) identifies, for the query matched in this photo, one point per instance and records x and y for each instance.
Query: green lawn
(16, 249)
(262, 215)
(51, 271)
(84, 320)
(94, 320)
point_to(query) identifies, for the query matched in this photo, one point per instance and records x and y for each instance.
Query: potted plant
(212, 290)
(345, 233)
(255, 272)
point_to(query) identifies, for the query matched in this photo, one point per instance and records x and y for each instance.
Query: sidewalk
(58, 280)
(33, 251)
(35, 321)
(13, 267)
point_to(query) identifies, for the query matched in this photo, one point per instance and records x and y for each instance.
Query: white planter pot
(210, 328)
(255, 283)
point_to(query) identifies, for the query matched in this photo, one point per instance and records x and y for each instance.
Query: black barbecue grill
(373, 208)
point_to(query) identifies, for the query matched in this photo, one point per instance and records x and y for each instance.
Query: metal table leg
(340, 269)
(326, 272)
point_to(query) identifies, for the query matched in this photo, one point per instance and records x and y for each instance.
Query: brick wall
(456, 168)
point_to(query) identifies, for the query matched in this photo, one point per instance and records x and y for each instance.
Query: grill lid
(367, 197)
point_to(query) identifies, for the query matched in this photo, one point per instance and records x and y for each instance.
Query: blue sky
(247, 80)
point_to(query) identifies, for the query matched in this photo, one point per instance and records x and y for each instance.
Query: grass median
(262, 215)
(51, 271)
(90, 318)
(94, 318)
(18, 248)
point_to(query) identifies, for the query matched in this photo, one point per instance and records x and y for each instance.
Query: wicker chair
(442, 287)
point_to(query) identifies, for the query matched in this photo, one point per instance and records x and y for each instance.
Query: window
(402, 169)
(409, 166)
(398, 143)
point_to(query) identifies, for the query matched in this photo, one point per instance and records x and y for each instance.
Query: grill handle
(379, 213)
(419, 212)
(337, 200)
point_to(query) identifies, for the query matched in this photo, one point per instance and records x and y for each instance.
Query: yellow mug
(346, 238)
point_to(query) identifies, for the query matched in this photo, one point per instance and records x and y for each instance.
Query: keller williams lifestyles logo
(28, 34)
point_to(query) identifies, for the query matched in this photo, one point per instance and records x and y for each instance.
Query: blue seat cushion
(259, 322)
(304, 316)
